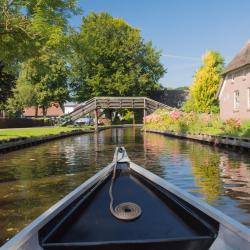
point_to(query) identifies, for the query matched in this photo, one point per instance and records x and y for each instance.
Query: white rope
(126, 210)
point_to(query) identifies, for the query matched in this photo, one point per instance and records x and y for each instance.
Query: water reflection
(206, 172)
(32, 179)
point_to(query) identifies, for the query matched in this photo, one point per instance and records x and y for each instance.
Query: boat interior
(165, 221)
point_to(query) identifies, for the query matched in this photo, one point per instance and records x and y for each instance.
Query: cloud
(182, 57)
(183, 66)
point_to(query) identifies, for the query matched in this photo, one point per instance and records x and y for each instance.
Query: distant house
(53, 111)
(69, 107)
(234, 90)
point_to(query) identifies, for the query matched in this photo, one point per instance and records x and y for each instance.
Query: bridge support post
(144, 115)
(96, 120)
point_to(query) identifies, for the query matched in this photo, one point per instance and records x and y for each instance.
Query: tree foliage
(26, 26)
(38, 46)
(205, 86)
(110, 58)
(7, 82)
(33, 44)
(45, 79)
(24, 95)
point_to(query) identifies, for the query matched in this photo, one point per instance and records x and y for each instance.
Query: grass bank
(192, 123)
(6, 134)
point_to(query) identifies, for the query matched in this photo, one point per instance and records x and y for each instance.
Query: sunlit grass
(35, 132)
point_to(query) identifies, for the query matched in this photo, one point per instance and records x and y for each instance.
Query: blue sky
(182, 29)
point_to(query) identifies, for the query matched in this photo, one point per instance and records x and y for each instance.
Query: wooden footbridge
(97, 103)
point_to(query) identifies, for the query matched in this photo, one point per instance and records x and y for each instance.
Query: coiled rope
(126, 210)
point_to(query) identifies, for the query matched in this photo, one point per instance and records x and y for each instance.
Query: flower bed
(193, 123)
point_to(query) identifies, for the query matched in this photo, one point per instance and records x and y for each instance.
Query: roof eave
(234, 69)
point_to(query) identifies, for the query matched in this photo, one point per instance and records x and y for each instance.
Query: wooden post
(144, 115)
(144, 111)
(96, 120)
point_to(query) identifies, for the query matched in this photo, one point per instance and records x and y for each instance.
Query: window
(248, 98)
(236, 99)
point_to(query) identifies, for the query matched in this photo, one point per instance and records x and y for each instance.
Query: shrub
(195, 123)
(232, 126)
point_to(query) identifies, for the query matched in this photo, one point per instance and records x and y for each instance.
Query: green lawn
(35, 132)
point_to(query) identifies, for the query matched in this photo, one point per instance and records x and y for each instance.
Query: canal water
(33, 179)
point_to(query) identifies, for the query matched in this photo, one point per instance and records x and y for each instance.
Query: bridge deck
(145, 103)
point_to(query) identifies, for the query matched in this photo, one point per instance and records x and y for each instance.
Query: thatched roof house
(242, 59)
(234, 90)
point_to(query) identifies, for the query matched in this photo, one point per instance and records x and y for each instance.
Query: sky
(182, 29)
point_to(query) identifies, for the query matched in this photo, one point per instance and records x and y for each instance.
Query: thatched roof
(240, 60)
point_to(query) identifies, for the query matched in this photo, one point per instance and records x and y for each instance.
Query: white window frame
(236, 100)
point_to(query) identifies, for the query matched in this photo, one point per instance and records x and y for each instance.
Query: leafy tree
(26, 26)
(35, 32)
(205, 86)
(110, 58)
(45, 80)
(24, 95)
(7, 82)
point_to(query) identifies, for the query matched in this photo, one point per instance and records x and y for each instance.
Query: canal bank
(34, 178)
(217, 140)
(22, 142)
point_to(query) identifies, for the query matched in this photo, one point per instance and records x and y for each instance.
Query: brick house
(53, 111)
(234, 90)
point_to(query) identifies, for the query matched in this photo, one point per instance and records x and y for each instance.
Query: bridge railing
(85, 108)
(157, 104)
(114, 103)
(121, 102)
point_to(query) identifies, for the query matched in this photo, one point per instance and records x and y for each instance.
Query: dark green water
(33, 179)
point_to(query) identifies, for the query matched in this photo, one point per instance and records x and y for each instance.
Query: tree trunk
(44, 111)
(36, 111)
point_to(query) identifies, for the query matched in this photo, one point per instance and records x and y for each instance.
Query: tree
(45, 80)
(24, 95)
(7, 83)
(205, 86)
(35, 33)
(26, 26)
(110, 58)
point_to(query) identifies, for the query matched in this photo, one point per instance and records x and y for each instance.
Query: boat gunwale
(214, 213)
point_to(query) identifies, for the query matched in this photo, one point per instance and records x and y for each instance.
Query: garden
(195, 123)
